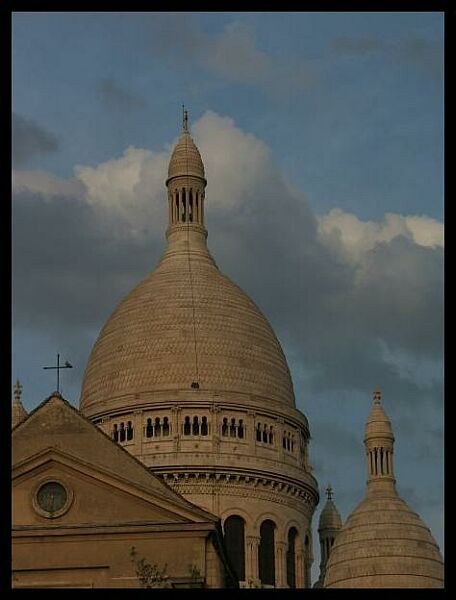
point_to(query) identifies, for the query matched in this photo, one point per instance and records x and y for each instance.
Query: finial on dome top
(377, 396)
(329, 492)
(184, 119)
(17, 391)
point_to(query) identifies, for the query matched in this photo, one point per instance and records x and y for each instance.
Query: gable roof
(55, 423)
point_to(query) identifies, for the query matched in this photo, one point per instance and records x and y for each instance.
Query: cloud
(115, 97)
(355, 288)
(353, 238)
(424, 53)
(356, 45)
(354, 303)
(235, 55)
(30, 140)
(232, 55)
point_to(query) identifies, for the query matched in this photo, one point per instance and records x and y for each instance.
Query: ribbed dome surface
(384, 544)
(329, 517)
(185, 322)
(185, 159)
(378, 424)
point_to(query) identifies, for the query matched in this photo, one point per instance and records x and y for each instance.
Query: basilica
(187, 463)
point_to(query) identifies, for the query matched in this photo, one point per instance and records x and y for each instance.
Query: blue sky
(322, 135)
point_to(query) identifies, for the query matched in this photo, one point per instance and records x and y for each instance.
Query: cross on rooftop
(58, 367)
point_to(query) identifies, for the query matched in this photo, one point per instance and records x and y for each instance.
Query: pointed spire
(18, 412)
(377, 396)
(184, 120)
(329, 492)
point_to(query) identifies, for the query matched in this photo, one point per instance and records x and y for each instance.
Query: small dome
(378, 424)
(185, 159)
(329, 517)
(384, 544)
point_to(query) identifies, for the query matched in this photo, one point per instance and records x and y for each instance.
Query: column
(197, 206)
(300, 575)
(181, 206)
(138, 433)
(280, 564)
(176, 429)
(280, 428)
(250, 432)
(214, 425)
(170, 203)
(251, 562)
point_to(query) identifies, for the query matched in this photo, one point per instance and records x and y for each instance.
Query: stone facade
(110, 504)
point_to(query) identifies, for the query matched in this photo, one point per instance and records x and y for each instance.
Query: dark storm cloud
(68, 271)
(115, 97)
(30, 140)
(337, 319)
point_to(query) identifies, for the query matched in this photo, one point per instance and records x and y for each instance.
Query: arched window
(266, 558)
(149, 428)
(187, 426)
(265, 434)
(157, 427)
(241, 429)
(129, 431)
(196, 427)
(225, 426)
(204, 428)
(122, 432)
(284, 442)
(115, 434)
(258, 433)
(233, 428)
(291, 557)
(176, 211)
(235, 544)
(271, 435)
(165, 426)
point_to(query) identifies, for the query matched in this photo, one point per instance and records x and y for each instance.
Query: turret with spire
(186, 183)
(379, 441)
(329, 526)
(18, 412)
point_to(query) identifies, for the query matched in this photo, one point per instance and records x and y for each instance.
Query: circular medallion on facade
(52, 498)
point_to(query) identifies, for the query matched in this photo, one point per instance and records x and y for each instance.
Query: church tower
(189, 377)
(329, 526)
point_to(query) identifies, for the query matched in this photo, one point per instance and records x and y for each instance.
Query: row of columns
(252, 574)
(178, 208)
(380, 463)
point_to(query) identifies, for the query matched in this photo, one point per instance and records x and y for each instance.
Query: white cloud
(128, 191)
(45, 184)
(346, 233)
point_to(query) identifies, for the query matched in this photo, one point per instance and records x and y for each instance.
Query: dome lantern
(186, 182)
(379, 441)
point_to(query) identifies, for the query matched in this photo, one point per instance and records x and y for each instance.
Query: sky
(322, 138)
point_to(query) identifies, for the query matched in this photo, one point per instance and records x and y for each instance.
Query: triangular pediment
(57, 438)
